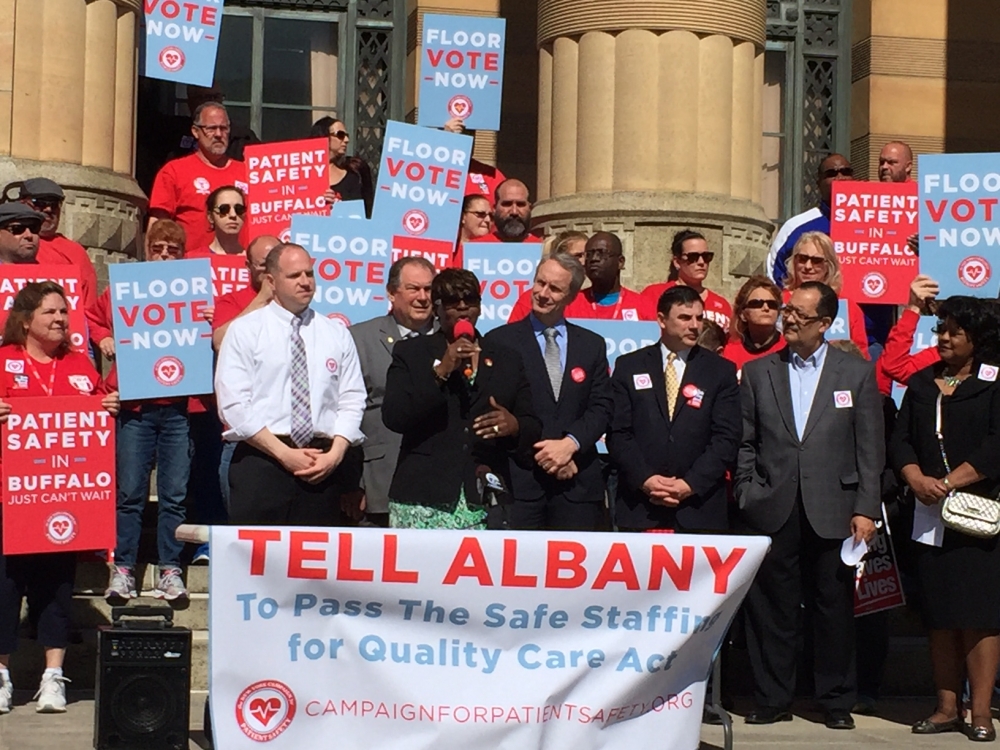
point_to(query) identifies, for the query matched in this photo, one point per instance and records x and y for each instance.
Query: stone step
(92, 578)
(28, 662)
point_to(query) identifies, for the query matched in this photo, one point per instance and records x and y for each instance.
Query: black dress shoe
(768, 715)
(839, 720)
(926, 726)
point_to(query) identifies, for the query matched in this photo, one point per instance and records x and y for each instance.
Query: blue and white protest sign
(163, 344)
(421, 184)
(960, 222)
(505, 271)
(348, 210)
(182, 38)
(461, 71)
(841, 326)
(351, 265)
(923, 338)
(446, 639)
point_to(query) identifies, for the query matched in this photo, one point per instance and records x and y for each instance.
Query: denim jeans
(155, 433)
(227, 458)
(206, 455)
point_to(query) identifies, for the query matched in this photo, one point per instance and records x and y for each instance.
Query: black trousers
(556, 513)
(47, 580)
(801, 568)
(264, 493)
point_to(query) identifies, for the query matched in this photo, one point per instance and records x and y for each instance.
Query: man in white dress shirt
(291, 393)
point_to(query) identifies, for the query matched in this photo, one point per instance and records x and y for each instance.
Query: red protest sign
(13, 277)
(878, 585)
(438, 252)
(229, 274)
(58, 475)
(869, 224)
(285, 178)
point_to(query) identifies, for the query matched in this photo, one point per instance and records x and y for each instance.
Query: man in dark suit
(409, 290)
(676, 425)
(808, 475)
(567, 367)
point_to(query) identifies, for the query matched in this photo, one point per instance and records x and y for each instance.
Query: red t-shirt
(70, 375)
(522, 308)
(896, 362)
(201, 252)
(737, 352)
(230, 305)
(629, 306)
(62, 251)
(717, 307)
(483, 181)
(181, 188)
(492, 237)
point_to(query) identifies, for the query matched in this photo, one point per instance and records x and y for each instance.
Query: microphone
(494, 497)
(463, 329)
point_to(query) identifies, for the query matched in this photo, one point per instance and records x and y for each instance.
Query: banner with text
(229, 274)
(286, 178)
(454, 640)
(960, 222)
(505, 270)
(351, 264)
(13, 277)
(421, 184)
(58, 475)
(181, 40)
(869, 225)
(163, 344)
(877, 585)
(461, 71)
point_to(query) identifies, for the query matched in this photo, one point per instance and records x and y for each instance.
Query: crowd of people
(741, 417)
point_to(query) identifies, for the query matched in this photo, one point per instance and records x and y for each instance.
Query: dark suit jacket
(838, 463)
(583, 410)
(439, 451)
(698, 445)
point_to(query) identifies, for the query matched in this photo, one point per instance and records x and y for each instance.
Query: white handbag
(965, 512)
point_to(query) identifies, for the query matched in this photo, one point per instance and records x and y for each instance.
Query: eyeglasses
(760, 304)
(794, 312)
(829, 174)
(479, 214)
(340, 135)
(223, 209)
(166, 248)
(599, 253)
(44, 203)
(695, 257)
(469, 300)
(810, 260)
(18, 229)
(211, 129)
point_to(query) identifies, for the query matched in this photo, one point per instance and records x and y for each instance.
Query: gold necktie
(673, 384)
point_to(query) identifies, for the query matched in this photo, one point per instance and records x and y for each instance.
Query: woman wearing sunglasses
(755, 331)
(350, 176)
(814, 259)
(227, 209)
(689, 267)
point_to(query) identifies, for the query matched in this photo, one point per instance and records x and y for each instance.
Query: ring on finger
(496, 429)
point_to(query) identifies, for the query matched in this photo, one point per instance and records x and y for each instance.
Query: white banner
(370, 638)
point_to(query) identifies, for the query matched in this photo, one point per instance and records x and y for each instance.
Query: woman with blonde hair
(814, 259)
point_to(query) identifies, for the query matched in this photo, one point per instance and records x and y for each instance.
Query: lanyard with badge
(618, 306)
(52, 377)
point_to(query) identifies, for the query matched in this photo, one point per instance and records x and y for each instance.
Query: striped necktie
(302, 427)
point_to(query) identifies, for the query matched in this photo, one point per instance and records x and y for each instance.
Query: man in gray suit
(808, 475)
(409, 288)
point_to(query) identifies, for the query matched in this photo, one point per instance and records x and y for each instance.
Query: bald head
(604, 262)
(257, 255)
(895, 162)
(513, 211)
(290, 270)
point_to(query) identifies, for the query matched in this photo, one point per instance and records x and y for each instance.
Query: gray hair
(196, 116)
(575, 268)
(396, 269)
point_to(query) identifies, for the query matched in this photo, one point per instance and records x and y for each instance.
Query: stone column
(649, 122)
(67, 90)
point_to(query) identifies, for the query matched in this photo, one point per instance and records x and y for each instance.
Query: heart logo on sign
(263, 710)
(172, 58)
(415, 222)
(60, 527)
(873, 285)
(169, 371)
(974, 271)
(460, 108)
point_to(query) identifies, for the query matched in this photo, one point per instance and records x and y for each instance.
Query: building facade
(635, 116)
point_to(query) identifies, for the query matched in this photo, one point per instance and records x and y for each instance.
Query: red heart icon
(460, 107)
(169, 371)
(263, 710)
(60, 527)
(874, 284)
(415, 222)
(974, 271)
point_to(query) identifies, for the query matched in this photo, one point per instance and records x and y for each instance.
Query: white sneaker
(51, 695)
(6, 695)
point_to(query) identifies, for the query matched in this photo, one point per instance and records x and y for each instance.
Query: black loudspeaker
(142, 699)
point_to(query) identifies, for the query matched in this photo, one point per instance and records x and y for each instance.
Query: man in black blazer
(808, 475)
(676, 425)
(567, 367)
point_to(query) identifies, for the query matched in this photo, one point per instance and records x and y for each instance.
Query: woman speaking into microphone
(36, 360)
(460, 405)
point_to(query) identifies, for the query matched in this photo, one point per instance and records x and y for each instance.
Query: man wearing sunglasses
(19, 228)
(46, 197)
(182, 185)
